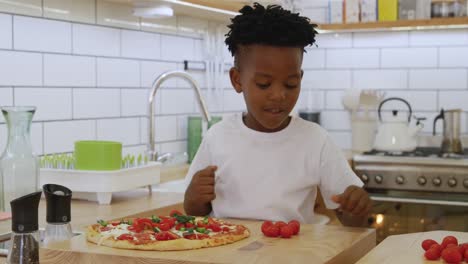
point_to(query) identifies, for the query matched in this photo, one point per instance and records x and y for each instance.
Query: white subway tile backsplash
(333, 100)
(352, 58)
(334, 40)
(6, 33)
(96, 103)
(136, 44)
(165, 128)
(213, 100)
(125, 130)
(311, 99)
(453, 99)
(419, 100)
(313, 59)
(51, 103)
(96, 40)
(151, 70)
(134, 102)
(65, 70)
(453, 57)
(174, 147)
(438, 79)
(41, 35)
(6, 97)
(380, 39)
(178, 49)
(327, 79)
(118, 73)
(341, 139)
(380, 79)
(409, 57)
(20, 68)
(200, 78)
(61, 136)
(182, 127)
(177, 101)
(233, 102)
(439, 37)
(335, 120)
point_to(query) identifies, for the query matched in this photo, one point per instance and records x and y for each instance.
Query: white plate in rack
(101, 184)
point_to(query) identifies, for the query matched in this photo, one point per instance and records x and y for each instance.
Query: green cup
(195, 134)
(98, 155)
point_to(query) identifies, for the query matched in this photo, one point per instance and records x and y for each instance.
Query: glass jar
(19, 167)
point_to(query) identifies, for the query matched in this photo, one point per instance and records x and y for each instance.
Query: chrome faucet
(152, 154)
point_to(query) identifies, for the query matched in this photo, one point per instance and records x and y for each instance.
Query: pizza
(163, 233)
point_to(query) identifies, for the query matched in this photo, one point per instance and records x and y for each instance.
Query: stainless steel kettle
(451, 143)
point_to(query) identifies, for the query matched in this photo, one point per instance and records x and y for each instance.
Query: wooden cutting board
(315, 244)
(407, 248)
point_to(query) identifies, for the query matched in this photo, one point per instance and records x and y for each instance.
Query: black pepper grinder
(58, 200)
(24, 247)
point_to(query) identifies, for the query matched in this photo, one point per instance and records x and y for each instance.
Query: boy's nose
(278, 94)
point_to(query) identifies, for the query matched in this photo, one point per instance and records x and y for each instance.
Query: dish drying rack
(99, 185)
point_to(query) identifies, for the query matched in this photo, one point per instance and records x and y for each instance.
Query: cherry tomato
(451, 255)
(286, 231)
(272, 231)
(449, 240)
(426, 244)
(265, 225)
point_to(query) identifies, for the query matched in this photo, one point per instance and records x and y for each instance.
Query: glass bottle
(24, 248)
(19, 167)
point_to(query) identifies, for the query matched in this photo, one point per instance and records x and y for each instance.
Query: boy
(266, 164)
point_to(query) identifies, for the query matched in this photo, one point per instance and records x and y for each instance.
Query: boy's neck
(253, 124)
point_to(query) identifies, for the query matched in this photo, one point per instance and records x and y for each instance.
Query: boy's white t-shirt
(272, 176)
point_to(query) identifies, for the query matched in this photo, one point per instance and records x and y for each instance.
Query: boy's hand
(201, 187)
(354, 200)
(200, 192)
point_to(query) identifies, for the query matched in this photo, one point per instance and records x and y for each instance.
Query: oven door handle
(417, 201)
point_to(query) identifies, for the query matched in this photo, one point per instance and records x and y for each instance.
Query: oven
(415, 191)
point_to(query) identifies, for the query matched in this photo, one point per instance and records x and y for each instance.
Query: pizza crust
(169, 245)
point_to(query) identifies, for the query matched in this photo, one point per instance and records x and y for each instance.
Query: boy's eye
(263, 85)
(291, 86)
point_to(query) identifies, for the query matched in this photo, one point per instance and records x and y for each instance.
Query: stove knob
(437, 181)
(465, 183)
(378, 179)
(422, 180)
(365, 178)
(452, 182)
(400, 180)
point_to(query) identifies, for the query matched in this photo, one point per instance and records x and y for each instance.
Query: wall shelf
(435, 23)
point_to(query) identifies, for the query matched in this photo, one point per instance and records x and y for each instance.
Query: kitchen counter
(407, 248)
(314, 244)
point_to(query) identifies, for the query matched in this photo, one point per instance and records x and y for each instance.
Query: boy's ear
(234, 74)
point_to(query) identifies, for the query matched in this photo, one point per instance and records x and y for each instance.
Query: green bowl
(98, 155)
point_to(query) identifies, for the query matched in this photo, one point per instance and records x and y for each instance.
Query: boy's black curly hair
(272, 25)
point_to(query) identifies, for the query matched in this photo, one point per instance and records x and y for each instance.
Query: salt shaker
(58, 200)
(24, 247)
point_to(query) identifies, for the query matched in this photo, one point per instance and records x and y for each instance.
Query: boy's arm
(200, 192)
(355, 206)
